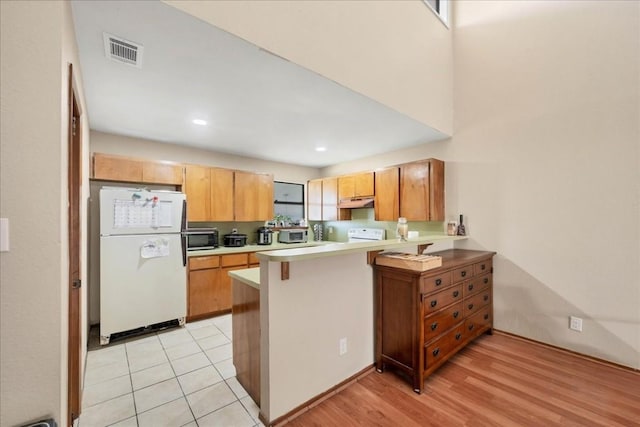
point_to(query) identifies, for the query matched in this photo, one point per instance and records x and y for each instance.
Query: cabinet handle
(482, 267)
(486, 297)
(486, 280)
(455, 294)
(470, 306)
(471, 286)
(464, 273)
(456, 314)
(434, 325)
(436, 351)
(486, 317)
(438, 282)
(471, 327)
(434, 303)
(458, 335)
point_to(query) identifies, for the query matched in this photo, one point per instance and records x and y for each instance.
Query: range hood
(364, 202)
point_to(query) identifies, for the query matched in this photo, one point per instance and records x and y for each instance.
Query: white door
(142, 281)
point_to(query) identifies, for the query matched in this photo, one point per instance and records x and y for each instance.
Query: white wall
(37, 44)
(545, 162)
(397, 53)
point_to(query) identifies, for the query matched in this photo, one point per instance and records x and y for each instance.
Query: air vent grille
(124, 51)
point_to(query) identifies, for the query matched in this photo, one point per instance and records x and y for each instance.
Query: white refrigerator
(142, 259)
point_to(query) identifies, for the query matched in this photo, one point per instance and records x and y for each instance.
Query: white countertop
(334, 248)
(249, 276)
(223, 250)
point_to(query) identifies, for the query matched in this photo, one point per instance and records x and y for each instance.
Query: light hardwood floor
(498, 380)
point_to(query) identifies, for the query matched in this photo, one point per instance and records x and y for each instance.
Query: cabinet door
(161, 173)
(202, 289)
(197, 188)
(436, 186)
(221, 197)
(223, 291)
(245, 196)
(115, 168)
(363, 184)
(414, 191)
(265, 197)
(330, 199)
(346, 187)
(387, 201)
(314, 200)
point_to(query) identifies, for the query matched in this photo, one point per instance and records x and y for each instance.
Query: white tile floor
(179, 377)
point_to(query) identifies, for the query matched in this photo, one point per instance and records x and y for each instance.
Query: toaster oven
(294, 235)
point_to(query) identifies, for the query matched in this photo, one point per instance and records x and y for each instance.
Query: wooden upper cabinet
(422, 190)
(314, 200)
(265, 197)
(221, 197)
(125, 169)
(246, 196)
(387, 197)
(162, 173)
(116, 168)
(197, 187)
(357, 185)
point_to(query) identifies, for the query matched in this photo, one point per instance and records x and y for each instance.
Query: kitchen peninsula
(312, 300)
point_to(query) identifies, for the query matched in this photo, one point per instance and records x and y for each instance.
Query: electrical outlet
(343, 346)
(575, 323)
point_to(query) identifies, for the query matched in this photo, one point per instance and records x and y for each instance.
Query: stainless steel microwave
(295, 235)
(199, 239)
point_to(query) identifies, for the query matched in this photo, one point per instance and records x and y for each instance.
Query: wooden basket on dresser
(423, 318)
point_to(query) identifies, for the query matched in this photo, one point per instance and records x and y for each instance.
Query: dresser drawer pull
(470, 286)
(486, 280)
(434, 325)
(470, 306)
(436, 352)
(471, 327)
(458, 335)
(486, 297)
(456, 314)
(463, 273)
(486, 317)
(438, 282)
(482, 267)
(434, 303)
(455, 294)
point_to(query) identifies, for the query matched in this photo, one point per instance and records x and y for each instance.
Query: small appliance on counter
(264, 236)
(235, 239)
(199, 239)
(293, 235)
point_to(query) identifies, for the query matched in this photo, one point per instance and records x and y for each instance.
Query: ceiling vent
(121, 50)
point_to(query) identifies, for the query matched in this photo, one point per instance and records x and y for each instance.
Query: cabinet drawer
(474, 303)
(234, 260)
(435, 283)
(478, 321)
(435, 302)
(202, 262)
(482, 267)
(253, 259)
(440, 348)
(477, 284)
(439, 322)
(463, 273)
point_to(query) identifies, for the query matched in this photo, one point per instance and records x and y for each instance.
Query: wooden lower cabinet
(424, 318)
(209, 284)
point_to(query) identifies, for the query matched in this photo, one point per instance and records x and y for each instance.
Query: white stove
(365, 234)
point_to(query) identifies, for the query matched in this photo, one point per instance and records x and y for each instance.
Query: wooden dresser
(424, 318)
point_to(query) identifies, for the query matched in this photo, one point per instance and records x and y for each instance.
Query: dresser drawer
(440, 348)
(477, 284)
(463, 273)
(435, 283)
(439, 322)
(476, 302)
(478, 321)
(435, 302)
(482, 267)
(204, 262)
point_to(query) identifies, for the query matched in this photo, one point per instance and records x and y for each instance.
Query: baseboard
(564, 350)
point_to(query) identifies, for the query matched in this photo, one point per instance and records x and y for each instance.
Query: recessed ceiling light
(199, 122)
(321, 148)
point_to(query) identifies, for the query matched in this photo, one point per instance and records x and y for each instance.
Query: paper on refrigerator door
(141, 214)
(154, 248)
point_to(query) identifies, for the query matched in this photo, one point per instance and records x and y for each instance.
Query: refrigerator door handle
(183, 228)
(183, 239)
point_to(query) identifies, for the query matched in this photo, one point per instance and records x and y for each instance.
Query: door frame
(74, 183)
